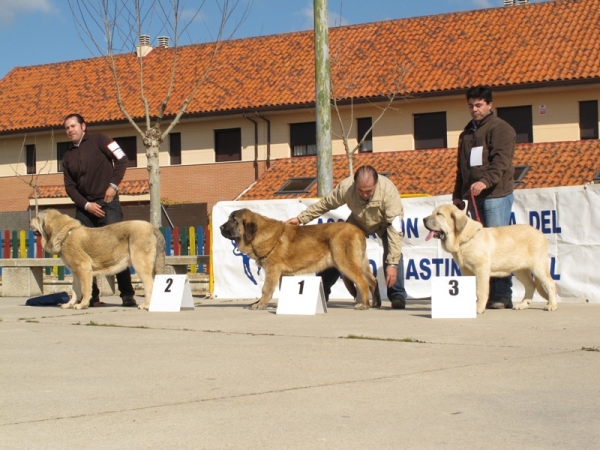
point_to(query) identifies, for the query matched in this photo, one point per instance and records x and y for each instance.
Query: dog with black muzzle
(284, 249)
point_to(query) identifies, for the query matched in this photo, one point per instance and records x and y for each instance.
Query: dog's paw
(360, 306)
(80, 306)
(480, 310)
(552, 307)
(66, 306)
(144, 306)
(257, 305)
(521, 305)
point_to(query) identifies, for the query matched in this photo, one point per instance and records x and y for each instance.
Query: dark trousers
(114, 214)
(330, 276)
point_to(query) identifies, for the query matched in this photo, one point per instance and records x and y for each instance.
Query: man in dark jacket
(485, 173)
(93, 168)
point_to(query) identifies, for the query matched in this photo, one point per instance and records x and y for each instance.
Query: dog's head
(53, 227)
(240, 225)
(451, 226)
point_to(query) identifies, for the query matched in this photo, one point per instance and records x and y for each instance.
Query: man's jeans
(331, 275)
(495, 212)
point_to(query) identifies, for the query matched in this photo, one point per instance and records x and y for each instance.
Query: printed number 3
(169, 284)
(301, 283)
(453, 287)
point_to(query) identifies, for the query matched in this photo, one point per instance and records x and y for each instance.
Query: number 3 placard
(453, 298)
(302, 295)
(171, 293)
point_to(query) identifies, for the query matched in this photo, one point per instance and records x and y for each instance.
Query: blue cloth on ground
(49, 299)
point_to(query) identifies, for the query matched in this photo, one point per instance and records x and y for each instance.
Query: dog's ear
(460, 220)
(250, 229)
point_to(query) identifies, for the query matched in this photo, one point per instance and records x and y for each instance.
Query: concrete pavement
(224, 377)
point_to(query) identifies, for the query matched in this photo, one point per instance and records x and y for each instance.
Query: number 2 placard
(171, 293)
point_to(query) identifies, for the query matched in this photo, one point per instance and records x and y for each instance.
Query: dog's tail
(160, 265)
(545, 285)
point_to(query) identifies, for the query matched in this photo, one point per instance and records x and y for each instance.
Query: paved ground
(224, 377)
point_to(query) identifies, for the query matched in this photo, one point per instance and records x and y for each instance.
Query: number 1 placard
(453, 298)
(171, 293)
(302, 295)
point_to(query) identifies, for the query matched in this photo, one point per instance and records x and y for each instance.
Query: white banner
(569, 217)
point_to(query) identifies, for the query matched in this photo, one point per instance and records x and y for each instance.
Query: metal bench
(24, 277)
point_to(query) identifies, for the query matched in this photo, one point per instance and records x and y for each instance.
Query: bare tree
(115, 26)
(32, 180)
(387, 99)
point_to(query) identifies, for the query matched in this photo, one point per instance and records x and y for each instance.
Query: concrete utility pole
(322, 86)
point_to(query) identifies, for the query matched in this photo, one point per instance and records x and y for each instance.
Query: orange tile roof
(131, 187)
(432, 172)
(540, 43)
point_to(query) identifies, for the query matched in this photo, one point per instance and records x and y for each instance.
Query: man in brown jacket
(93, 168)
(375, 207)
(485, 173)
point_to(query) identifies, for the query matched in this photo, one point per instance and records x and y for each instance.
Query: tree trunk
(323, 98)
(152, 142)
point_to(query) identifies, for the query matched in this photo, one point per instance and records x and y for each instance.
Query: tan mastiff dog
(494, 252)
(108, 250)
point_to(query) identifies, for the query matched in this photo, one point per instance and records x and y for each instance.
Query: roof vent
(163, 41)
(144, 48)
(515, 2)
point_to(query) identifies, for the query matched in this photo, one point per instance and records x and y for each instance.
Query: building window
(430, 130)
(30, 156)
(520, 118)
(303, 138)
(588, 119)
(297, 185)
(129, 145)
(228, 145)
(175, 148)
(520, 172)
(363, 125)
(61, 149)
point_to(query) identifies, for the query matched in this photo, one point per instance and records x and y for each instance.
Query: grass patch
(371, 338)
(91, 323)
(590, 349)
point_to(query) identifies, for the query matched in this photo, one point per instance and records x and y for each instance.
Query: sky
(34, 32)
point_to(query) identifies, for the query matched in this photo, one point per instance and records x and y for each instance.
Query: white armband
(116, 150)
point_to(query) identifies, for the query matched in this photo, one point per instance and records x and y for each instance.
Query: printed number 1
(169, 284)
(301, 283)
(453, 287)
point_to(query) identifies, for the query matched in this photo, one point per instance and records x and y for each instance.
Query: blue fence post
(200, 247)
(168, 241)
(30, 244)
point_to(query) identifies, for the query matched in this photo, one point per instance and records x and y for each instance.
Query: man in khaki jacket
(375, 207)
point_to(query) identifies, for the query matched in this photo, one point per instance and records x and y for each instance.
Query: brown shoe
(129, 301)
(499, 303)
(398, 303)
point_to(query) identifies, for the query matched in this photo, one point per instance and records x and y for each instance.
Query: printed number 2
(169, 284)
(301, 283)
(453, 287)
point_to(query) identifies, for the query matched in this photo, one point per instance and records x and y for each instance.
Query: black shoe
(499, 303)
(93, 301)
(129, 301)
(398, 302)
